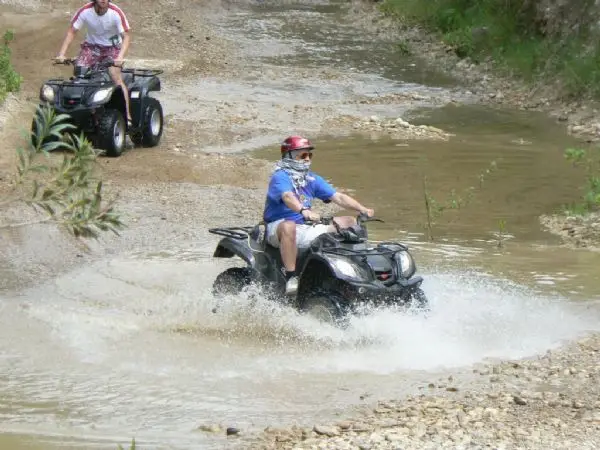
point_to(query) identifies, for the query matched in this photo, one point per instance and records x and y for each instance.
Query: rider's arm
(345, 201)
(291, 201)
(124, 46)
(67, 42)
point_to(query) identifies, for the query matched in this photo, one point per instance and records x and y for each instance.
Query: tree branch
(25, 224)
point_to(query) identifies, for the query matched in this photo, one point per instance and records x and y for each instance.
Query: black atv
(96, 105)
(340, 273)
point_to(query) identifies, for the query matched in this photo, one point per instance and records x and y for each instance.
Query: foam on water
(473, 317)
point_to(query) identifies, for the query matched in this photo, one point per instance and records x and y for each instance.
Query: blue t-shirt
(275, 208)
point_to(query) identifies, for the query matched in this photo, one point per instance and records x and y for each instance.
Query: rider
(107, 38)
(288, 205)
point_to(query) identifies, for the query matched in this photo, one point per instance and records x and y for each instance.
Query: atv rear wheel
(326, 306)
(152, 124)
(233, 281)
(111, 132)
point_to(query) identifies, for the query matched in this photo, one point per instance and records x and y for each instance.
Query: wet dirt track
(120, 342)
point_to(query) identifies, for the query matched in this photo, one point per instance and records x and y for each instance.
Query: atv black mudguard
(138, 95)
(228, 248)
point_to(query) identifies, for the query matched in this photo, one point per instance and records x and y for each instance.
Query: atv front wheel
(233, 281)
(326, 306)
(418, 300)
(152, 124)
(111, 132)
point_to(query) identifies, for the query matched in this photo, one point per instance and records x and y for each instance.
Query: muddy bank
(550, 402)
(581, 116)
(576, 231)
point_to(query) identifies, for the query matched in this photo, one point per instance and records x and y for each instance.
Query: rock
(519, 400)
(419, 430)
(394, 437)
(345, 425)
(361, 427)
(210, 428)
(403, 123)
(231, 431)
(382, 410)
(326, 430)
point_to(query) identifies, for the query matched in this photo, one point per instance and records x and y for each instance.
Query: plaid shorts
(91, 54)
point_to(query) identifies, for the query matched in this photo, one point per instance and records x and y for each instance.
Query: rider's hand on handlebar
(60, 59)
(118, 62)
(310, 215)
(368, 212)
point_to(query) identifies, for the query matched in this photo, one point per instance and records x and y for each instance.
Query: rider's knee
(287, 230)
(345, 221)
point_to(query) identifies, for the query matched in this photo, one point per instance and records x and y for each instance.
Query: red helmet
(296, 143)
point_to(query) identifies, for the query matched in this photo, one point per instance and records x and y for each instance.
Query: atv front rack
(383, 249)
(232, 232)
(72, 83)
(142, 72)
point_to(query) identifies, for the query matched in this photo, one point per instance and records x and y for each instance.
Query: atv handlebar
(65, 61)
(73, 62)
(328, 220)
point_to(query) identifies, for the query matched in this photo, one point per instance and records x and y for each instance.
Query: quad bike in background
(338, 273)
(96, 105)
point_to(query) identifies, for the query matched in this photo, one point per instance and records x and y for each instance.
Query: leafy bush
(590, 162)
(67, 192)
(10, 81)
(511, 33)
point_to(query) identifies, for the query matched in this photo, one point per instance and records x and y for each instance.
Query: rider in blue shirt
(291, 191)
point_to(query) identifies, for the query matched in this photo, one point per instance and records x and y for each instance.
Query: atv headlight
(101, 95)
(405, 264)
(47, 93)
(348, 269)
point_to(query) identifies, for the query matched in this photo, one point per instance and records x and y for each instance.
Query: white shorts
(305, 234)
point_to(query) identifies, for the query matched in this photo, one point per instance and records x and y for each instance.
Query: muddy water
(498, 228)
(128, 346)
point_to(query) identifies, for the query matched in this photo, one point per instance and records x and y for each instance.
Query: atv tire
(233, 281)
(418, 300)
(326, 306)
(111, 133)
(152, 124)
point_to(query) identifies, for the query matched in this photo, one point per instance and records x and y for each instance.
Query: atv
(340, 273)
(96, 106)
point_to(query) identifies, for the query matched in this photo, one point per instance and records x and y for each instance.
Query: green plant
(10, 80)
(131, 446)
(404, 48)
(512, 34)
(590, 162)
(454, 201)
(501, 233)
(67, 192)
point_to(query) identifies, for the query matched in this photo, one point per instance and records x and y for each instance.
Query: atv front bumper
(399, 293)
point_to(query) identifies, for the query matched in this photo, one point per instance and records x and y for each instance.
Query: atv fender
(228, 248)
(138, 98)
(117, 101)
(315, 273)
(322, 263)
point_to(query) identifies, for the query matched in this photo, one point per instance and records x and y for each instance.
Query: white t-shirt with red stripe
(106, 30)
